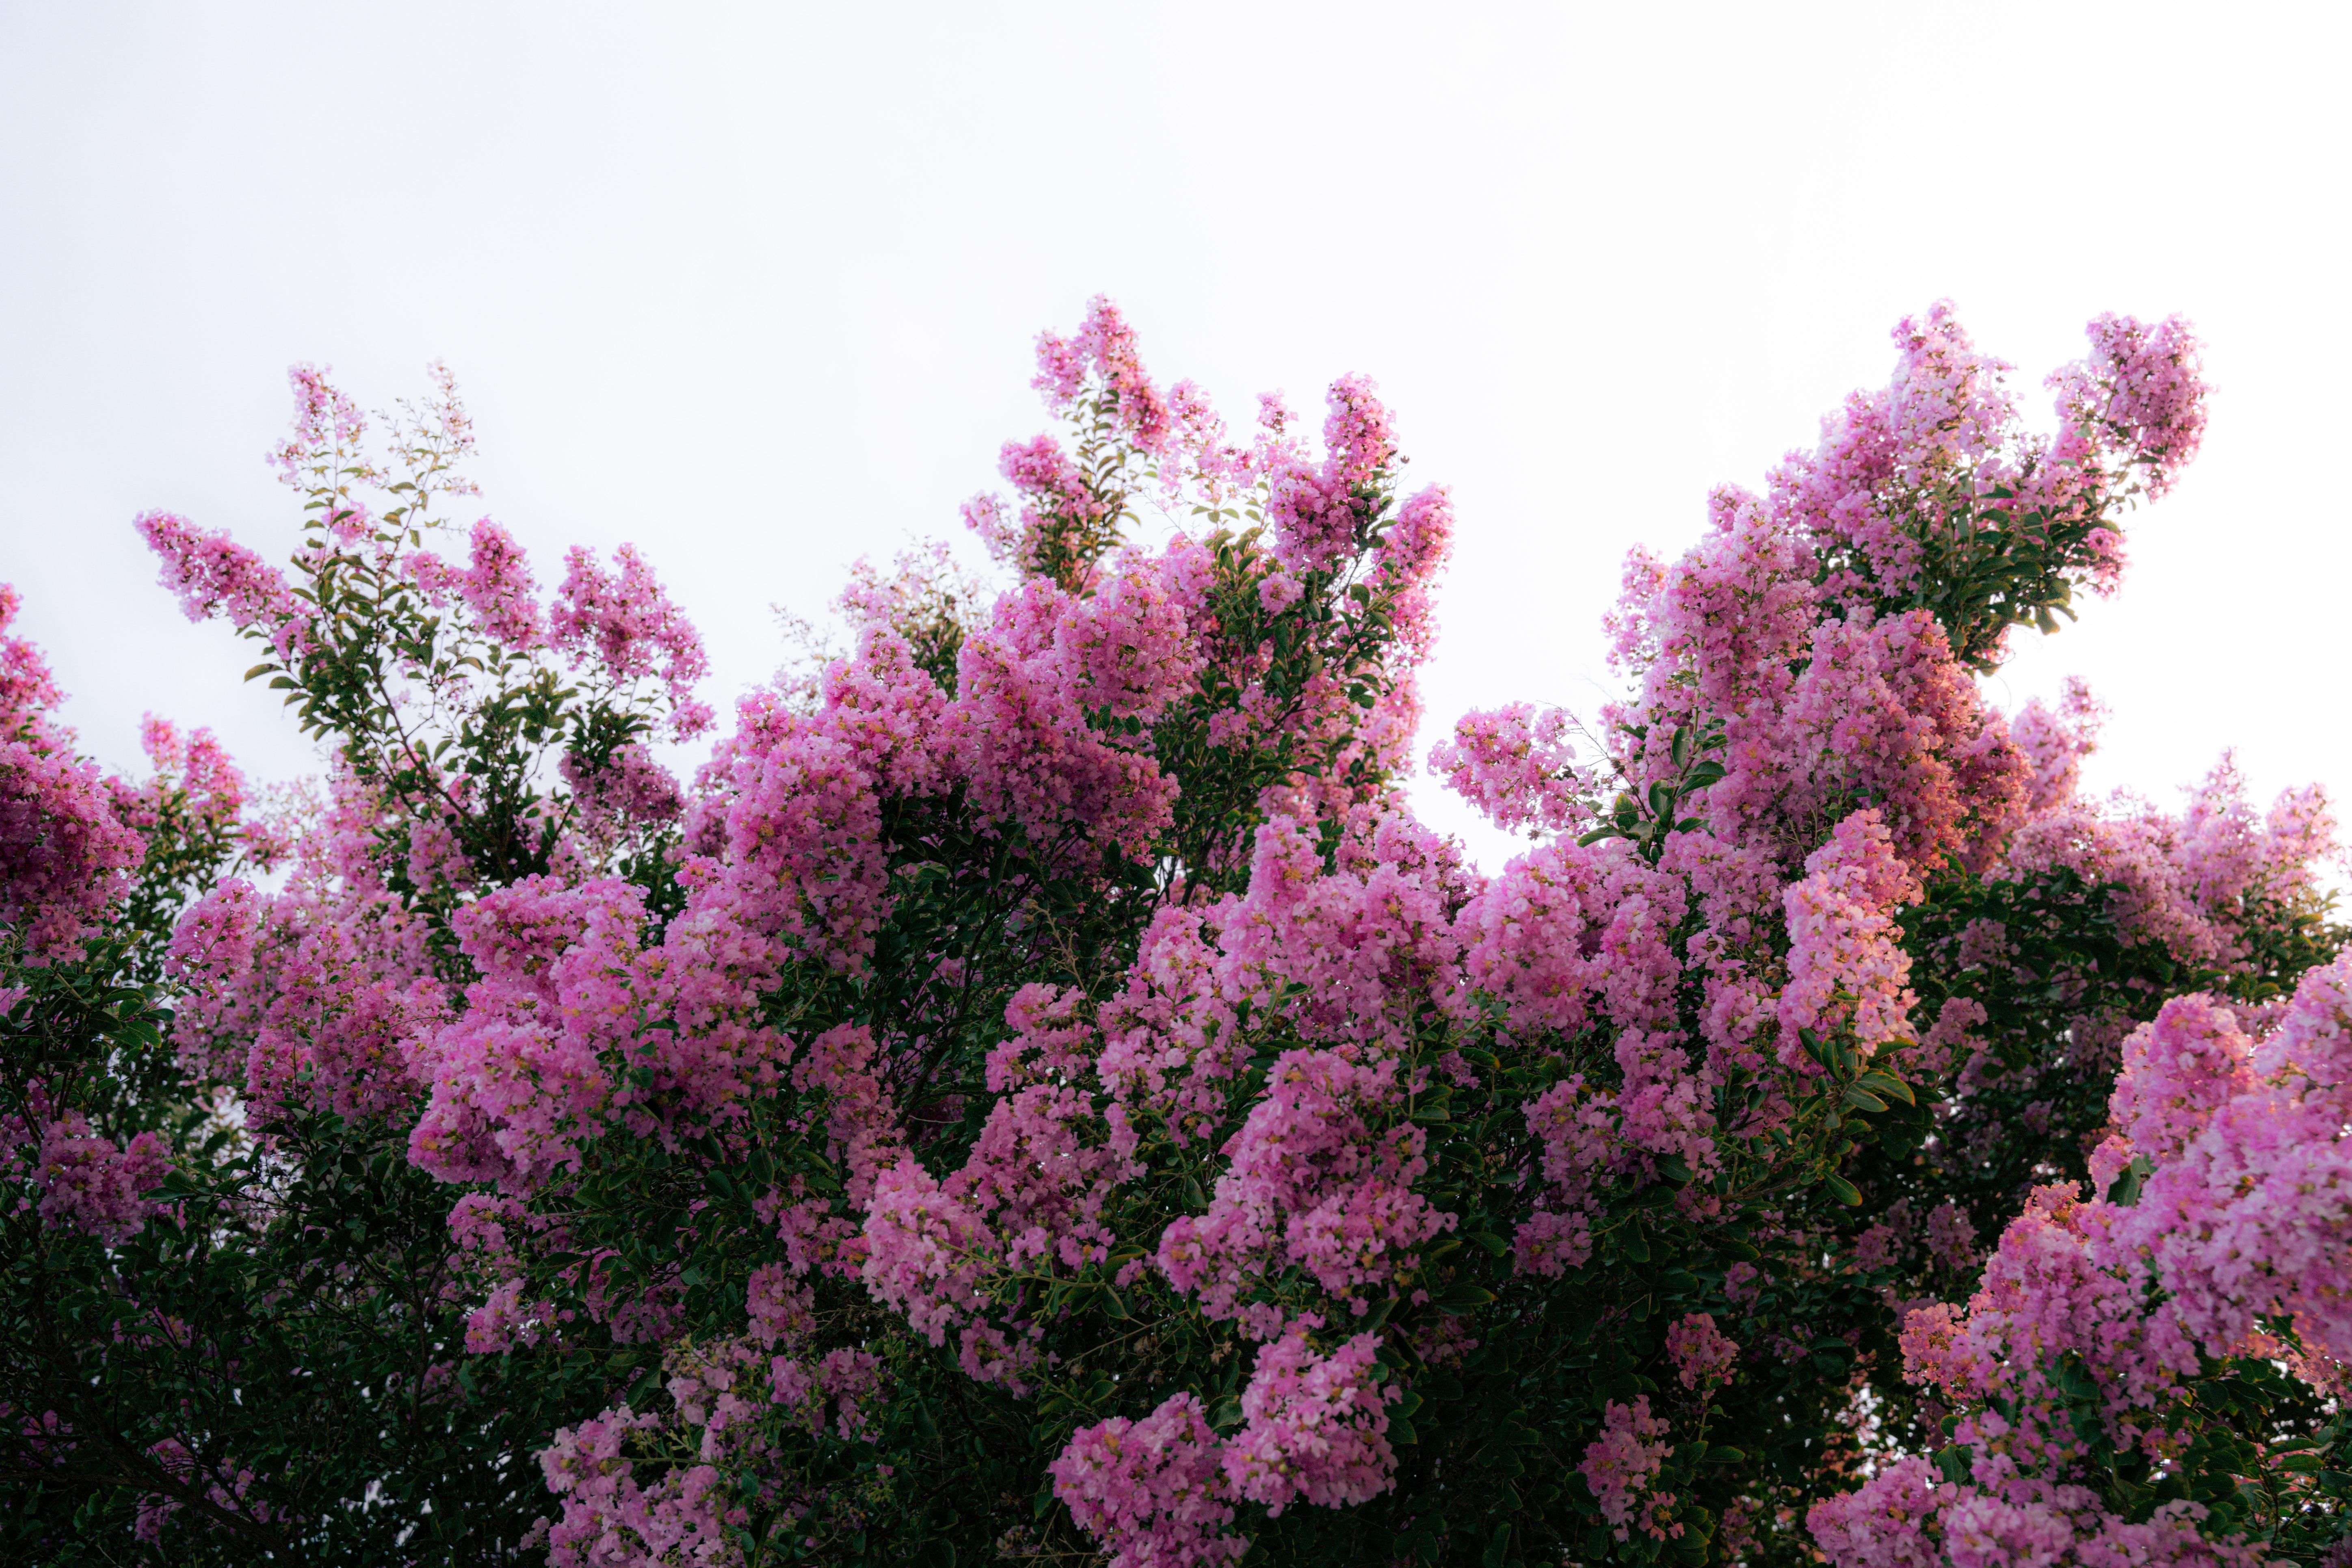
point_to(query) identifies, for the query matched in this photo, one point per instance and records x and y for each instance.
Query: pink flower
(1314, 1427)
(626, 622)
(1621, 1465)
(214, 574)
(1703, 1358)
(89, 1184)
(1153, 1492)
(1105, 349)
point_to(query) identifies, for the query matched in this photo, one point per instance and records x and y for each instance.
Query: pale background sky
(755, 287)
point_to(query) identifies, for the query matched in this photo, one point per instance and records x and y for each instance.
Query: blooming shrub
(1035, 1089)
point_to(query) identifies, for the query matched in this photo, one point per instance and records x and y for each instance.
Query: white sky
(755, 286)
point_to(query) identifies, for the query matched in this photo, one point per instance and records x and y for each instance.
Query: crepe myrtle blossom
(1036, 1085)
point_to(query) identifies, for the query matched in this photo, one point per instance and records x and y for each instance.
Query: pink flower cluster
(630, 790)
(1314, 1427)
(1104, 349)
(1703, 1357)
(1029, 1197)
(2145, 387)
(739, 1407)
(214, 574)
(625, 621)
(1153, 1491)
(326, 422)
(1622, 1467)
(1906, 1518)
(26, 688)
(1847, 971)
(65, 851)
(496, 583)
(2246, 1217)
(315, 996)
(87, 1183)
(1319, 513)
(2189, 882)
(1162, 1490)
(1516, 766)
(196, 767)
(1320, 1178)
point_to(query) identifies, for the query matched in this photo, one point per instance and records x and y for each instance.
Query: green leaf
(2124, 1191)
(1862, 1099)
(1846, 1192)
(1462, 1297)
(1880, 1081)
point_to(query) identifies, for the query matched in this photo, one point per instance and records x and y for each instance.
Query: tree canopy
(1036, 1093)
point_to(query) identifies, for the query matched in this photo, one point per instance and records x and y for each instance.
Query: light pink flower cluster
(1848, 973)
(576, 1029)
(1514, 764)
(2055, 745)
(1104, 348)
(1162, 1490)
(86, 1182)
(1019, 729)
(2146, 387)
(1152, 1491)
(1057, 500)
(1570, 935)
(2246, 1217)
(1319, 513)
(326, 422)
(65, 850)
(630, 790)
(744, 1410)
(625, 621)
(1028, 1202)
(26, 688)
(1622, 1467)
(315, 996)
(1904, 1517)
(194, 774)
(1320, 1178)
(1172, 1049)
(1703, 1357)
(2189, 882)
(520, 1078)
(496, 583)
(214, 574)
(1315, 1428)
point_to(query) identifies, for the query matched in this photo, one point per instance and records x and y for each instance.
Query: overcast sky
(755, 287)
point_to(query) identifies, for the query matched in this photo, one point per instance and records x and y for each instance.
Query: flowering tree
(1037, 1093)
